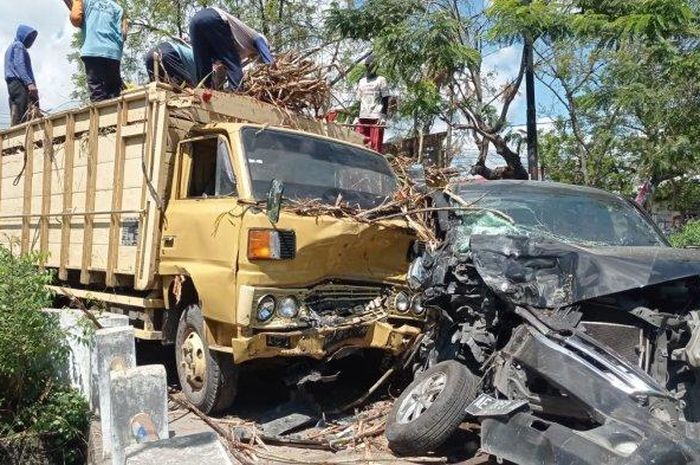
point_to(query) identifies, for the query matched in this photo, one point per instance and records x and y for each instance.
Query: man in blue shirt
(175, 61)
(219, 37)
(104, 29)
(19, 76)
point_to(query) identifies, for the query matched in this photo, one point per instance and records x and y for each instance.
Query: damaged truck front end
(570, 325)
(260, 270)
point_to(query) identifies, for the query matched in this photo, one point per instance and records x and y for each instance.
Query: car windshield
(312, 168)
(570, 216)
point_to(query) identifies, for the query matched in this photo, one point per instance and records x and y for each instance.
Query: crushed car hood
(545, 273)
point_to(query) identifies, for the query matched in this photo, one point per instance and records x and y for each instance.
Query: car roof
(524, 187)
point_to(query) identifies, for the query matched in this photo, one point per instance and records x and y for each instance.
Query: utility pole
(532, 157)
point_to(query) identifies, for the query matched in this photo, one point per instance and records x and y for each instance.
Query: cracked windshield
(577, 218)
(316, 169)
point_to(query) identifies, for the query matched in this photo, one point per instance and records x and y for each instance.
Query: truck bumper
(320, 343)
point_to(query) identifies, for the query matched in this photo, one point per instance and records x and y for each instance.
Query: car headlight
(417, 305)
(266, 308)
(288, 307)
(402, 302)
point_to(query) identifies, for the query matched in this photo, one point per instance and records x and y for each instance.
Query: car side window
(211, 172)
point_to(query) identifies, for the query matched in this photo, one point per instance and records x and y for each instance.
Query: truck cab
(256, 262)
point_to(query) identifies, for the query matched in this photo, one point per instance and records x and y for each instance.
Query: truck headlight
(266, 308)
(402, 302)
(417, 305)
(288, 307)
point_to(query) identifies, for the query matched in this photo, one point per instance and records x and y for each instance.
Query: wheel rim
(194, 362)
(421, 397)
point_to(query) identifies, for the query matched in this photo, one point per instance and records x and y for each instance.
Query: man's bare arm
(76, 13)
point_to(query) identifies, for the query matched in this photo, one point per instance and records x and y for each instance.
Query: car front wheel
(431, 408)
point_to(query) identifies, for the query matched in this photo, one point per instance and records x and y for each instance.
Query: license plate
(487, 406)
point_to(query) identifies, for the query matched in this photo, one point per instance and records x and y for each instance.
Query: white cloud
(504, 64)
(49, 54)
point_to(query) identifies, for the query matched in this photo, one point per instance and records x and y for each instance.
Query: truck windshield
(569, 216)
(316, 169)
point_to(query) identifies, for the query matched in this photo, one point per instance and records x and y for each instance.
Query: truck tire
(431, 408)
(208, 379)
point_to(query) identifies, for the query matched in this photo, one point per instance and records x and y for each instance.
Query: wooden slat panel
(147, 160)
(26, 177)
(67, 196)
(46, 187)
(117, 196)
(92, 158)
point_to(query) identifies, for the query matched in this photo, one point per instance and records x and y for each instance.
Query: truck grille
(288, 244)
(626, 340)
(340, 300)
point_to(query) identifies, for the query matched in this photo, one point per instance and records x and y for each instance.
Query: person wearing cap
(373, 93)
(19, 75)
(173, 62)
(104, 29)
(221, 39)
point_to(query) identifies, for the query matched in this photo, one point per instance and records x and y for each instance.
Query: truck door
(202, 223)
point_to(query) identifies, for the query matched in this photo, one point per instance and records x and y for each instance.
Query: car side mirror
(274, 200)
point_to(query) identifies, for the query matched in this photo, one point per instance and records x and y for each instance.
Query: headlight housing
(402, 303)
(266, 308)
(288, 307)
(417, 305)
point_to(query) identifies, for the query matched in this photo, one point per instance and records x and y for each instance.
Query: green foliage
(32, 343)
(62, 420)
(419, 47)
(33, 351)
(688, 236)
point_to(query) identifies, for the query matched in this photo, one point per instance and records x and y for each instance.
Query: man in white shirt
(373, 93)
(219, 37)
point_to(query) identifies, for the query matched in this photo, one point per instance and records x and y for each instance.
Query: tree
(625, 74)
(433, 51)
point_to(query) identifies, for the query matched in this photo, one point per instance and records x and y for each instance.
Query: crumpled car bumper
(614, 393)
(320, 343)
(526, 439)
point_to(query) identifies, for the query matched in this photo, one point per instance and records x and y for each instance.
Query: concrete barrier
(79, 372)
(139, 399)
(114, 349)
(194, 449)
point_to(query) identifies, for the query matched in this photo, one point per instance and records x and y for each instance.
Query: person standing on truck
(19, 75)
(221, 39)
(373, 93)
(104, 28)
(175, 63)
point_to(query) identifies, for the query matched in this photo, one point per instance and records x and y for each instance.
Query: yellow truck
(166, 206)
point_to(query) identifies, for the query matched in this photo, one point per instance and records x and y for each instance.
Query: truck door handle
(168, 242)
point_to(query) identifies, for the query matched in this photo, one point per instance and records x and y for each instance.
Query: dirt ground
(352, 437)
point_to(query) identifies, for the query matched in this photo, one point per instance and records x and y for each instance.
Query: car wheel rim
(421, 397)
(194, 363)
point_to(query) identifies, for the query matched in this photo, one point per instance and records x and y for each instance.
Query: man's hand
(33, 92)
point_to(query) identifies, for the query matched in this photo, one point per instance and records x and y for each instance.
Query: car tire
(208, 378)
(447, 388)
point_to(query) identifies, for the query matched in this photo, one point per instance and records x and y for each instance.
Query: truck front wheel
(208, 378)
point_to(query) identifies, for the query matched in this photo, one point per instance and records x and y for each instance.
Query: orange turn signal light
(263, 244)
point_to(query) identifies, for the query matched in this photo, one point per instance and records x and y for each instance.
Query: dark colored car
(563, 322)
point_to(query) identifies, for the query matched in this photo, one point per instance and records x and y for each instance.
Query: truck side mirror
(274, 200)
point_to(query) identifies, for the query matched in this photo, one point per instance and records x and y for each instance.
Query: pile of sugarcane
(292, 82)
